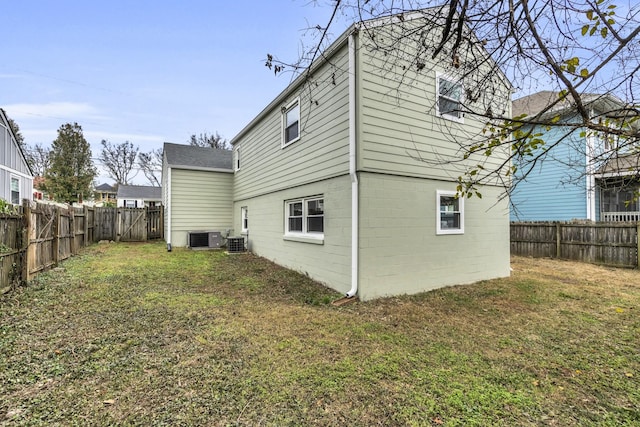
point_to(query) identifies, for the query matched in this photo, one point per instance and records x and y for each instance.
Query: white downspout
(168, 208)
(352, 167)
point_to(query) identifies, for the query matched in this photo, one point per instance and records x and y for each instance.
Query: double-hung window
(291, 123)
(236, 159)
(305, 217)
(15, 190)
(449, 213)
(449, 104)
(244, 219)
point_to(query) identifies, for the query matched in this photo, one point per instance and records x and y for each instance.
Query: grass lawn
(132, 334)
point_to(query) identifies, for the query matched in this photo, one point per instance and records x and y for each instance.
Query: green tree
(16, 131)
(119, 159)
(71, 171)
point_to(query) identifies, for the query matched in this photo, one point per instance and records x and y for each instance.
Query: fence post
(85, 240)
(72, 230)
(55, 244)
(558, 234)
(638, 243)
(26, 237)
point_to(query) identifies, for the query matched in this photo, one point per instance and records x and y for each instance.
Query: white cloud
(54, 110)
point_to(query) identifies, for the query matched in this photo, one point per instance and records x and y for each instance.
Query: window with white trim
(15, 190)
(236, 160)
(291, 123)
(449, 104)
(450, 213)
(244, 219)
(305, 217)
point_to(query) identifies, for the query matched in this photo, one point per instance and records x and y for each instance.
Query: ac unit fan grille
(235, 244)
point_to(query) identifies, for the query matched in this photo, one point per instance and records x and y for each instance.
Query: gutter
(353, 173)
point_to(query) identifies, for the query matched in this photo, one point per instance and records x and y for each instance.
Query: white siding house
(16, 178)
(342, 176)
(197, 185)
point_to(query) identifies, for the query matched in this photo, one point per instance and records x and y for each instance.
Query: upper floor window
(291, 123)
(236, 160)
(15, 190)
(449, 98)
(450, 213)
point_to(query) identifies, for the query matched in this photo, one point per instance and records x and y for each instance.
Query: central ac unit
(204, 239)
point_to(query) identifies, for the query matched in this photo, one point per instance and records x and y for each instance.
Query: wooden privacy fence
(37, 236)
(613, 244)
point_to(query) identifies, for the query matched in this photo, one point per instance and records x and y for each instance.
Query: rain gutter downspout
(352, 166)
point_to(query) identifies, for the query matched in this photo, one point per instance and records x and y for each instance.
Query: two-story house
(344, 176)
(580, 175)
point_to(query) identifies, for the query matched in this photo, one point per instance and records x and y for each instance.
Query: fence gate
(155, 223)
(140, 224)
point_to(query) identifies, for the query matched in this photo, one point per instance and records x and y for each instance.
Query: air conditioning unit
(235, 245)
(204, 239)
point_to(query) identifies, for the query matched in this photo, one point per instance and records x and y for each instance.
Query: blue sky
(146, 71)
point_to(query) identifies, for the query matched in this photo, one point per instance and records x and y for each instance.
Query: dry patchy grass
(131, 334)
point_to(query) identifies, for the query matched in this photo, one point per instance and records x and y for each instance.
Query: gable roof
(145, 192)
(106, 187)
(536, 103)
(326, 55)
(193, 157)
(5, 120)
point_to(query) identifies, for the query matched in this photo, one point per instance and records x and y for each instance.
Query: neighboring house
(105, 193)
(16, 178)
(578, 178)
(341, 176)
(197, 186)
(138, 196)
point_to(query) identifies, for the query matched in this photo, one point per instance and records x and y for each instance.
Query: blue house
(581, 176)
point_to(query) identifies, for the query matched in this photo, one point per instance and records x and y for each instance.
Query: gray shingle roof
(144, 192)
(105, 187)
(197, 157)
(535, 103)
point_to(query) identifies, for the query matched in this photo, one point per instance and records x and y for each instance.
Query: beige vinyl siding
(200, 201)
(400, 252)
(399, 130)
(322, 150)
(329, 262)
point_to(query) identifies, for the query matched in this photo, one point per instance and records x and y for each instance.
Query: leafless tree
(206, 140)
(39, 159)
(151, 165)
(119, 160)
(579, 50)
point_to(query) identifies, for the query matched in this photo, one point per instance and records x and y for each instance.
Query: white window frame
(11, 180)
(128, 202)
(285, 110)
(244, 219)
(304, 233)
(236, 159)
(458, 116)
(439, 213)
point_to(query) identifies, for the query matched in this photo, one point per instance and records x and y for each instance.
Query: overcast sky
(146, 71)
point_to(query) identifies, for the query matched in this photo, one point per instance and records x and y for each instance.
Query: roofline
(328, 53)
(599, 100)
(324, 58)
(6, 119)
(199, 168)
